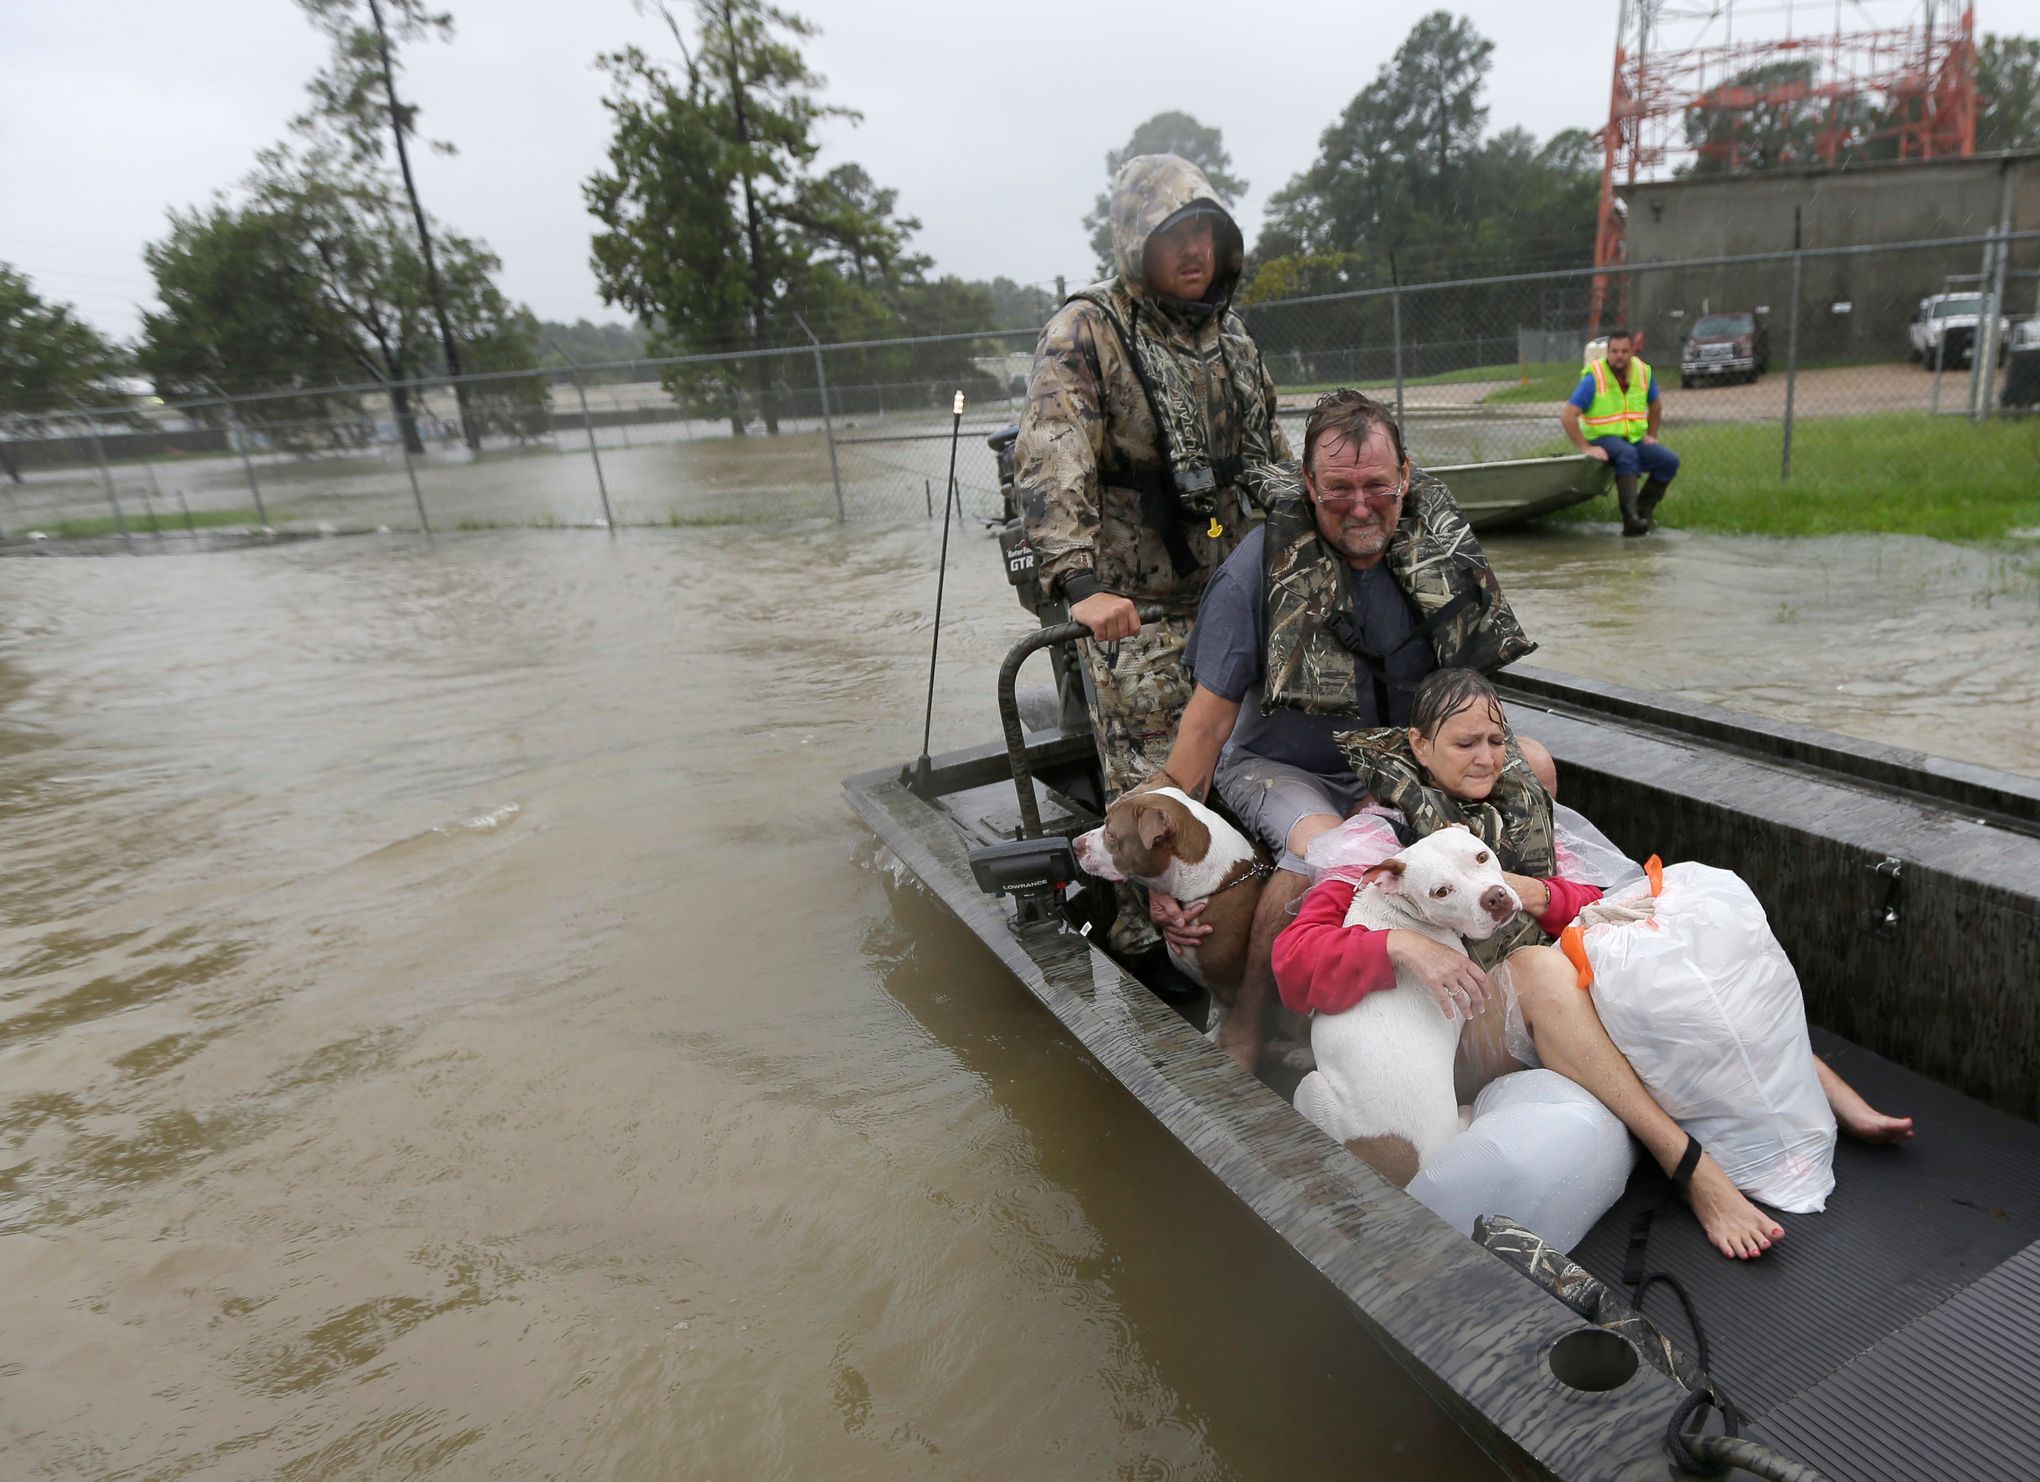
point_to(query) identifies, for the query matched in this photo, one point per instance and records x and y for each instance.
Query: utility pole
(397, 126)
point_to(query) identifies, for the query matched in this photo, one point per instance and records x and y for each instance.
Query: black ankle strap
(1688, 1161)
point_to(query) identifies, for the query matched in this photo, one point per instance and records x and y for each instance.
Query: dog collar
(1240, 874)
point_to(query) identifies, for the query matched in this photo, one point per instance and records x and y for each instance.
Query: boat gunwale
(2010, 799)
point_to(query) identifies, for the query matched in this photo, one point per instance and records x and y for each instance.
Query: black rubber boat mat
(1906, 1231)
(1954, 1395)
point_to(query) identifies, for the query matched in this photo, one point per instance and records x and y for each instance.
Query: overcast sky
(992, 121)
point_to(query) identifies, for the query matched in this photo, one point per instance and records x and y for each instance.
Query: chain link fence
(1786, 369)
(1822, 367)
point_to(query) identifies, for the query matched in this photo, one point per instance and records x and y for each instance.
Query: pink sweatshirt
(1322, 966)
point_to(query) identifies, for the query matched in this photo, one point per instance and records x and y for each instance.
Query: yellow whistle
(1216, 529)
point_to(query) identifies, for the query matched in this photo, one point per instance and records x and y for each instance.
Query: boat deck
(1855, 1342)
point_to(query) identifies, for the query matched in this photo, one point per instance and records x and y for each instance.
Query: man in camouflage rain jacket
(1148, 417)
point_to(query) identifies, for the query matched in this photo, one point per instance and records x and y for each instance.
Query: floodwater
(452, 1024)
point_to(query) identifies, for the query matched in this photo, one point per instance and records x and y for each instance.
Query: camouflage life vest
(1189, 478)
(1315, 661)
(1514, 820)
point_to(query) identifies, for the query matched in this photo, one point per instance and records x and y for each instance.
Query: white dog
(1383, 1085)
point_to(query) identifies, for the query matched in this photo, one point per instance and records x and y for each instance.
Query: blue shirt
(1583, 394)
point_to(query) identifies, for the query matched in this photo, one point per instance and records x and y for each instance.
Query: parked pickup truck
(1733, 346)
(1943, 332)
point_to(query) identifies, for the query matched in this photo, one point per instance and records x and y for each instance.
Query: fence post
(1791, 366)
(928, 493)
(1990, 322)
(149, 506)
(588, 426)
(105, 473)
(828, 427)
(1395, 320)
(1976, 339)
(240, 436)
(404, 443)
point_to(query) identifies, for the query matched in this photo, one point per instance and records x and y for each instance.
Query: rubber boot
(1633, 522)
(1647, 501)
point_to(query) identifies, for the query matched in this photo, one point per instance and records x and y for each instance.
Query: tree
(1440, 71)
(852, 223)
(716, 231)
(313, 280)
(357, 95)
(1406, 189)
(1393, 167)
(1404, 185)
(1019, 305)
(50, 359)
(1757, 120)
(2008, 93)
(1165, 133)
(585, 344)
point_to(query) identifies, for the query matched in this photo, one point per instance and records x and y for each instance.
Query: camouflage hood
(1149, 193)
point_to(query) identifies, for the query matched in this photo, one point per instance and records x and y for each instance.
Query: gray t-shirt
(1228, 653)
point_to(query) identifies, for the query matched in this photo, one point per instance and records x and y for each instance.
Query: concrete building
(1851, 308)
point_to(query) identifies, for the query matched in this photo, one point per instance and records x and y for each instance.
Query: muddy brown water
(452, 1024)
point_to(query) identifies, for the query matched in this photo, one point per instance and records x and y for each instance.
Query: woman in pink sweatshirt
(1457, 764)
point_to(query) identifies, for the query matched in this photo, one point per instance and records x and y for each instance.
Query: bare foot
(1858, 1117)
(1871, 1125)
(1865, 1123)
(1734, 1226)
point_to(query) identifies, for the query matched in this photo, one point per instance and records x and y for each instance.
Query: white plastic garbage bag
(1704, 1003)
(1540, 1150)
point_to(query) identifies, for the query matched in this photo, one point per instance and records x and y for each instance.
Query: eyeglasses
(1379, 497)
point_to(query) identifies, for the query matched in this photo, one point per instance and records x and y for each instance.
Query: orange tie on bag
(1573, 940)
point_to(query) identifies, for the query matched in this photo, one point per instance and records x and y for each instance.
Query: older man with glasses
(1364, 579)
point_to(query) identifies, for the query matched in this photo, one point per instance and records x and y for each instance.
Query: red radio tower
(1687, 93)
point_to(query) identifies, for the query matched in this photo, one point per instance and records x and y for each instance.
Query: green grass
(1548, 383)
(138, 523)
(1539, 375)
(1901, 473)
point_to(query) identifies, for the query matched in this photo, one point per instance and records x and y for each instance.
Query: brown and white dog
(1161, 837)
